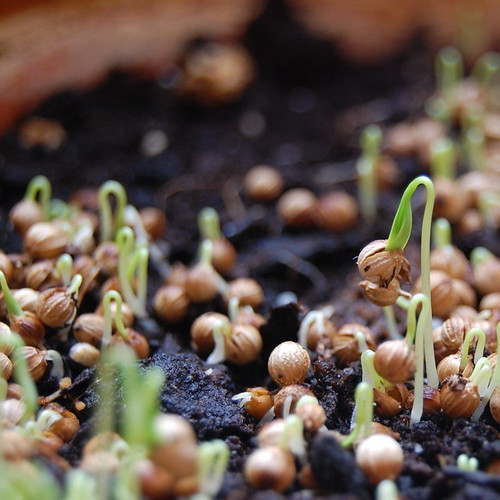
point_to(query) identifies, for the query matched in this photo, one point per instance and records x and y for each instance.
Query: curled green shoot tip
(479, 255)
(403, 220)
(386, 490)
(486, 68)
(108, 189)
(479, 351)
(213, 457)
(481, 376)
(40, 188)
(449, 71)
(475, 148)
(363, 410)
(443, 158)
(21, 372)
(492, 385)
(208, 224)
(370, 374)
(132, 263)
(420, 332)
(109, 297)
(441, 233)
(64, 266)
(13, 307)
(466, 463)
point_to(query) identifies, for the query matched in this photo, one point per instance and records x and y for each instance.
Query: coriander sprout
(479, 350)
(475, 148)
(492, 385)
(112, 296)
(366, 166)
(64, 266)
(364, 414)
(466, 463)
(292, 438)
(40, 187)
(80, 485)
(486, 69)
(105, 191)
(132, 263)
(213, 457)
(443, 158)
(386, 490)
(398, 238)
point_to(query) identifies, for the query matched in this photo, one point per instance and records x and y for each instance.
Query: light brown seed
(381, 266)
(289, 363)
(297, 207)
(244, 345)
(380, 457)
(270, 468)
(171, 303)
(289, 395)
(459, 397)
(263, 183)
(395, 361)
(45, 240)
(247, 291)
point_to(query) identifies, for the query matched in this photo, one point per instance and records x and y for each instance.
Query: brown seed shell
(394, 361)
(270, 468)
(57, 308)
(289, 363)
(459, 397)
(381, 266)
(244, 345)
(45, 240)
(292, 391)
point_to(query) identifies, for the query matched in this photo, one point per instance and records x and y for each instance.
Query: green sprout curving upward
(41, 189)
(108, 228)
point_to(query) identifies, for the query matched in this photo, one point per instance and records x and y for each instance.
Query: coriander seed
(395, 361)
(289, 363)
(263, 183)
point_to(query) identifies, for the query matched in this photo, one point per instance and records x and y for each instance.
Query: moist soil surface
(305, 110)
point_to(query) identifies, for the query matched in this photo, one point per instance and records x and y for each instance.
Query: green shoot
(481, 376)
(486, 69)
(370, 374)
(386, 490)
(466, 463)
(481, 340)
(64, 266)
(21, 372)
(292, 438)
(492, 385)
(132, 263)
(40, 187)
(213, 457)
(488, 202)
(112, 296)
(57, 370)
(480, 255)
(80, 485)
(398, 238)
(449, 72)
(443, 158)
(441, 233)
(419, 332)
(371, 139)
(363, 397)
(208, 224)
(475, 148)
(13, 307)
(107, 227)
(390, 321)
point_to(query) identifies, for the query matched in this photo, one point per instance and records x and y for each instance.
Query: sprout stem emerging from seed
(213, 457)
(371, 139)
(107, 227)
(478, 354)
(363, 397)
(40, 187)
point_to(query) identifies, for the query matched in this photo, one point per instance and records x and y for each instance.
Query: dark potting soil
(313, 105)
